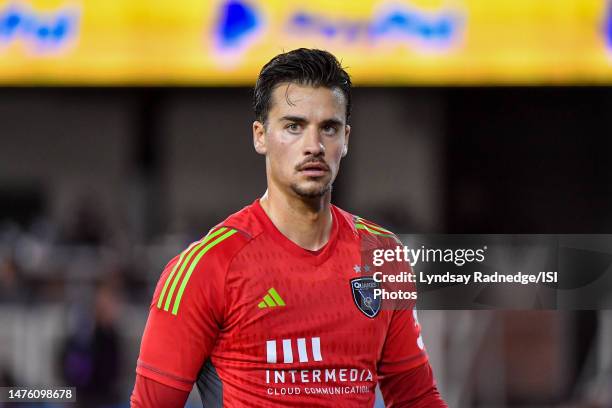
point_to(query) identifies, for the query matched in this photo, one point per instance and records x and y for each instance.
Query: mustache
(306, 162)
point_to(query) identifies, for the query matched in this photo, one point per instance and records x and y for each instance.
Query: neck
(306, 222)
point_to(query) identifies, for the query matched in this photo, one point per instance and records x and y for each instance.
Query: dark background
(100, 187)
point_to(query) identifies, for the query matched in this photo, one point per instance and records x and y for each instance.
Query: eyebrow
(300, 119)
(333, 122)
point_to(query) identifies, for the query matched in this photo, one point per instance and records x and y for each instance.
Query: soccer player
(272, 307)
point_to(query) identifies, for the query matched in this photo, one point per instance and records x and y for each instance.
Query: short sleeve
(186, 313)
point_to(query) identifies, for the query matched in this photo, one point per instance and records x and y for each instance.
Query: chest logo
(271, 299)
(363, 295)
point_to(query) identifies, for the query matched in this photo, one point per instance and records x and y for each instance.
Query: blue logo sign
(42, 32)
(238, 24)
(397, 23)
(608, 26)
(239, 21)
(363, 295)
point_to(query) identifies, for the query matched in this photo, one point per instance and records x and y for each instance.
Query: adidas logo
(272, 299)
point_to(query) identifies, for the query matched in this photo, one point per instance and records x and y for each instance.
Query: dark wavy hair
(302, 66)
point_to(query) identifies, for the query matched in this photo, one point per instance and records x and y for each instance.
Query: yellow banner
(189, 42)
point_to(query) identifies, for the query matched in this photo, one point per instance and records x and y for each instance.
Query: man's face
(304, 138)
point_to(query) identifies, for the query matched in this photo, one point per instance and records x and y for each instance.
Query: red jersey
(256, 320)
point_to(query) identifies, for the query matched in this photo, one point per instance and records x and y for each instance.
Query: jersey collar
(292, 247)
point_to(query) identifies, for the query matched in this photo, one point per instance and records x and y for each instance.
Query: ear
(259, 137)
(347, 133)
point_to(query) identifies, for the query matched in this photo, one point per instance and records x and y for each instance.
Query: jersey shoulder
(205, 262)
(226, 239)
(367, 229)
(243, 225)
(244, 221)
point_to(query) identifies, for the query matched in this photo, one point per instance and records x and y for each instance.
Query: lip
(314, 169)
(313, 172)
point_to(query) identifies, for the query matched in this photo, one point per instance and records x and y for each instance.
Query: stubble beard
(310, 193)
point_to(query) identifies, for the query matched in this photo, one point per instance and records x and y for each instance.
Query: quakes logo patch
(363, 295)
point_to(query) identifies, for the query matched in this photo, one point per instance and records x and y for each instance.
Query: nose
(313, 145)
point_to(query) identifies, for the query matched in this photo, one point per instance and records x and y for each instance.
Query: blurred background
(125, 134)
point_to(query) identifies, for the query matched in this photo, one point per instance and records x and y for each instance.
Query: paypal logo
(43, 32)
(240, 21)
(393, 23)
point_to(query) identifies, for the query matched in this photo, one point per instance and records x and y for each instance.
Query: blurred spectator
(11, 281)
(6, 380)
(91, 355)
(6, 377)
(87, 224)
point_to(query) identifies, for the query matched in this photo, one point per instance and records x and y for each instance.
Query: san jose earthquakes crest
(363, 295)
